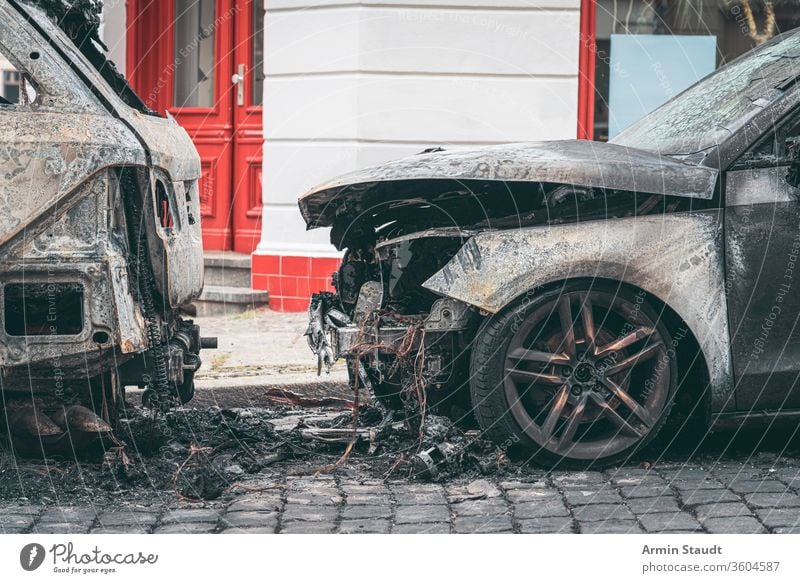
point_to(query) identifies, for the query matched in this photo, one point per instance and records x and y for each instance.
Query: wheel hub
(585, 372)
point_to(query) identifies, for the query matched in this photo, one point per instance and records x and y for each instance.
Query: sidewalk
(261, 354)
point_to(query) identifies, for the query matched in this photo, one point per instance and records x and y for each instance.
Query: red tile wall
(290, 280)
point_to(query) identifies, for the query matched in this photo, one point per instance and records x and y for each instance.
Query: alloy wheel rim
(584, 376)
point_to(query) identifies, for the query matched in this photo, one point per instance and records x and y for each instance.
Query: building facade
(282, 95)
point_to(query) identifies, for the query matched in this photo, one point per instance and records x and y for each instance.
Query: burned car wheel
(581, 376)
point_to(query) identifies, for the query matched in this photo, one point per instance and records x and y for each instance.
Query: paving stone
(599, 512)
(786, 500)
(690, 484)
(758, 486)
(481, 524)
(333, 499)
(249, 530)
(634, 477)
(26, 509)
(546, 525)
(480, 507)
(12, 521)
(187, 528)
(422, 528)
(533, 495)
(403, 488)
(113, 519)
(651, 505)
(379, 526)
(305, 527)
(366, 512)
(12, 530)
(62, 528)
(611, 527)
(546, 509)
(669, 521)
(310, 513)
(420, 498)
(421, 514)
(646, 491)
(724, 510)
(120, 530)
(476, 490)
(708, 497)
(787, 530)
(259, 503)
(516, 485)
(779, 517)
(369, 500)
(251, 519)
(371, 489)
(188, 515)
(61, 515)
(582, 497)
(578, 479)
(733, 525)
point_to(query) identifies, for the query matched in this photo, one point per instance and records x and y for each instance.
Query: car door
(762, 242)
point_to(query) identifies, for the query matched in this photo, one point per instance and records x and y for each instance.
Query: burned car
(574, 295)
(100, 241)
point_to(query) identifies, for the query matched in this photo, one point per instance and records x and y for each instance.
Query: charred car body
(100, 241)
(569, 294)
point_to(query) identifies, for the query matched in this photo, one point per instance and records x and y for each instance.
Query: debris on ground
(197, 454)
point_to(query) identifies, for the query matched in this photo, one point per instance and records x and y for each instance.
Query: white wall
(351, 84)
(113, 31)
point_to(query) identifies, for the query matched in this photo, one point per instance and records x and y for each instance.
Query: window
(195, 32)
(647, 51)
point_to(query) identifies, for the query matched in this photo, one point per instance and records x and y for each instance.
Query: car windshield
(707, 113)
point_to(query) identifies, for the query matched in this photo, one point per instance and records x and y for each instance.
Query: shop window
(647, 51)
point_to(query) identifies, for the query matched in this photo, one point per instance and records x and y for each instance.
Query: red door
(202, 61)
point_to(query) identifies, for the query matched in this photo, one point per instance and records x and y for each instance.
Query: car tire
(558, 417)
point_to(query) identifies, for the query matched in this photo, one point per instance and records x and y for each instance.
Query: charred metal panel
(677, 258)
(175, 238)
(46, 157)
(762, 235)
(573, 162)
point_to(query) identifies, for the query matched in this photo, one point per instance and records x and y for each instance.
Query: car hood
(578, 163)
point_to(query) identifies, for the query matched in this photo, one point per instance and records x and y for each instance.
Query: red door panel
(182, 56)
(247, 120)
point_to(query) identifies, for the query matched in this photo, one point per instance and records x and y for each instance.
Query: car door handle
(238, 80)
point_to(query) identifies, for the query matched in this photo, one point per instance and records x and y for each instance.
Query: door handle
(238, 80)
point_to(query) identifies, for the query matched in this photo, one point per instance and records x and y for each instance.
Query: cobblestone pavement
(757, 497)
